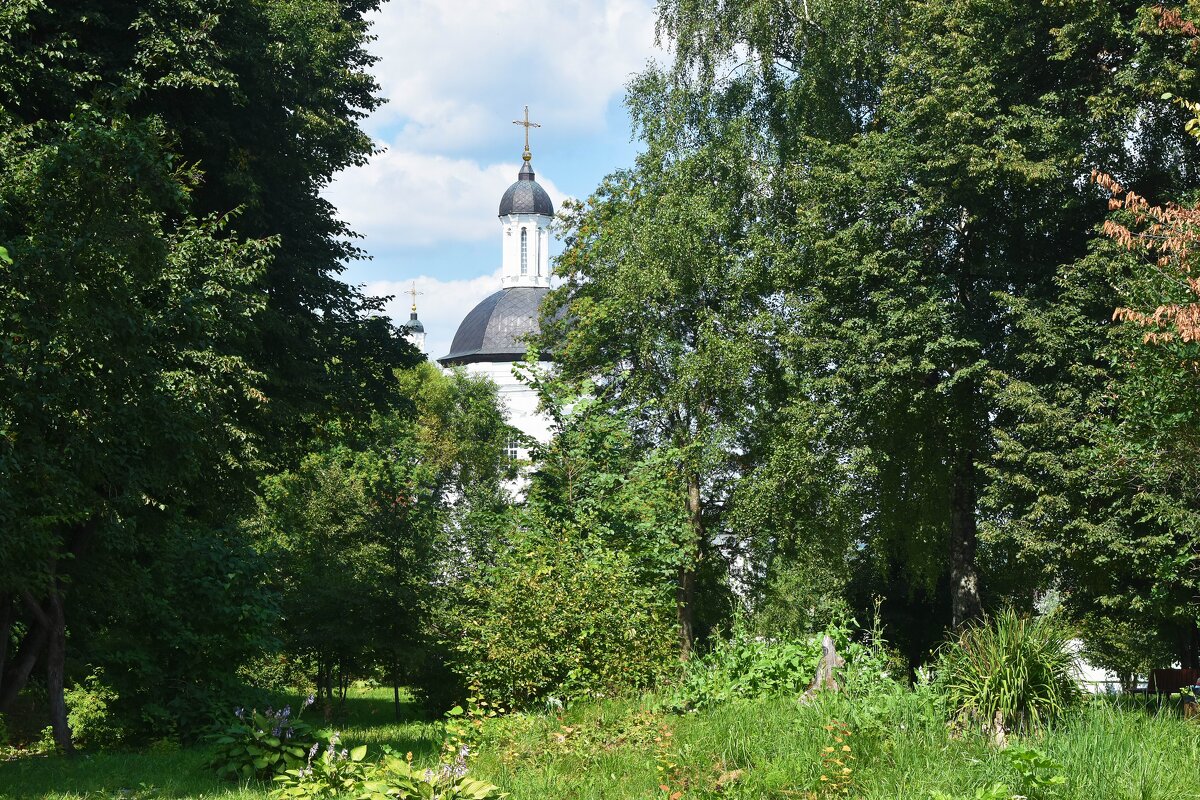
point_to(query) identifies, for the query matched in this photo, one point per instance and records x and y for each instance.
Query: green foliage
(264, 744)
(1009, 673)
(166, 332)
(330, 772)
(560, 615)
(1039, 776)
(1107, 750)
(358, 528)
(90, 713)
(799, 596)
(744, 667)
(396, 777)
(993, 791)
(345, 773)
(658, 307)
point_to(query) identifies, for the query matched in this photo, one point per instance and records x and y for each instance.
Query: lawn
(771, 748)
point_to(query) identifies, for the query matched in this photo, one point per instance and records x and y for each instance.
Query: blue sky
(456, 74)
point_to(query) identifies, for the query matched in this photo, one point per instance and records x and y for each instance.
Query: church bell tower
(525, 215)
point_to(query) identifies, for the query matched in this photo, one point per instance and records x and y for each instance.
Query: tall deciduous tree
(124, 404)
(656, 305)
(919, 175)
(155, 355)
(1094, 479)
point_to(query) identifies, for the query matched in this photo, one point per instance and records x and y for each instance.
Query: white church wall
(518, 399)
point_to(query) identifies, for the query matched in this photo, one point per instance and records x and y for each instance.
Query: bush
(263, 745)
(744, 667)
(563, 618)
(1009, 673)
(344, 773)
(90, 714)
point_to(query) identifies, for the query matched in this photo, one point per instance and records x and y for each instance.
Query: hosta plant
(332, 771)
(395, 778)
(262, 744)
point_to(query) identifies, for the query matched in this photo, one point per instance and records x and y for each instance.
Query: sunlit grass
(769, 748)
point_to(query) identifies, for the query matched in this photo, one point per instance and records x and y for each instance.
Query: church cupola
(526, 212)
(414, 329)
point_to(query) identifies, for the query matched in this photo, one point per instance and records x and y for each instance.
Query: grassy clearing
(756, 749)
(180, 773)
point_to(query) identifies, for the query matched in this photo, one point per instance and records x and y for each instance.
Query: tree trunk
(964, 580)
(685, 589)
(56, 652)
(6, 604)
(1189, 651)
(396, 689)
(31, 648)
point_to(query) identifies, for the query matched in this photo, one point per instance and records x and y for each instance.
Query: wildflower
(308, 701)
(464, 751)
(239, 712)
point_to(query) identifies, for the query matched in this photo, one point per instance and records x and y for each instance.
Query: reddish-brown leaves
(1168, 236)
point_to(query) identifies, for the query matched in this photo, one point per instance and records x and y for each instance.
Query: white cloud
(456, 73)
(405, 199)
(441, 305)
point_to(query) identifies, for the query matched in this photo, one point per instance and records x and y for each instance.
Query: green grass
(142, 775)
(614, 749)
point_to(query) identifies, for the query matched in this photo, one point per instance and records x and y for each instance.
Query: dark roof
(413, 325)
(525, 196)
(493, 330)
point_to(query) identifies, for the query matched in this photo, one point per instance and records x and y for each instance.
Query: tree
(125, 408)
(655, 306)
(156, 354)
(577, 600)
(352, 536)
(376, 522)
(1093, 479)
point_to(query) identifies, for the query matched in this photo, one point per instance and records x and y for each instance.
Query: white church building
(490, 340)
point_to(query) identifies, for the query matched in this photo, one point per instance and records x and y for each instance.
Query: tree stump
(830, 660)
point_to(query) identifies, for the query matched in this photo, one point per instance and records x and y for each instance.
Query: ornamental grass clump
(1009, 673)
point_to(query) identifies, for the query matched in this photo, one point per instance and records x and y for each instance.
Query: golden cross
(527, 125)
(413, 292)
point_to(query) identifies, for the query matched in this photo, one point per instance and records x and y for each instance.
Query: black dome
(525, 196)
(413, 325)
(493, 330)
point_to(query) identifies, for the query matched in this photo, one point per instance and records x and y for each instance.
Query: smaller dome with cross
(413, 325)
(526, 196)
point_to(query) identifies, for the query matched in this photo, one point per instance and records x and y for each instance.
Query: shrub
(344, 773)
(1009, 673)
(262, 745)
(90, 714)
(331, 772)
(562, 618)
(396, 778)
(744, 667)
